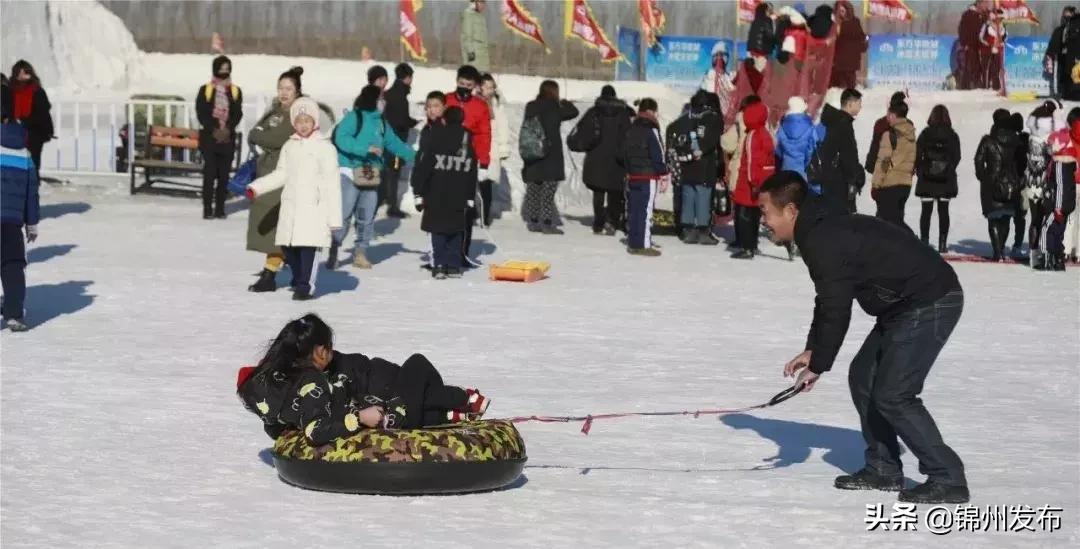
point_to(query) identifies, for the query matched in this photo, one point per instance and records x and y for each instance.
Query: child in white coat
(311, 201)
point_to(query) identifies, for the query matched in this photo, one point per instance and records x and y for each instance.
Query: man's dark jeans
(886, 378)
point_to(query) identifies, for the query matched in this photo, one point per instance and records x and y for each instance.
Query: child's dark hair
(375, 73)
(647, 104)
(294, 75)
(549, 89)
(294, 344)
(437, 95)
(899, 109)
(454, 116)
(368, 100)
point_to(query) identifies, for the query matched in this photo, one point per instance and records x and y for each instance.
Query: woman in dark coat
(936, 158)
(542, 176)
(602, 173)
(850, 46)
(761, 39)
(999, 181)
(270, 134)
(30, 106)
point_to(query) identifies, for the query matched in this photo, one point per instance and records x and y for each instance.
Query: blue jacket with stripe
(18, 178)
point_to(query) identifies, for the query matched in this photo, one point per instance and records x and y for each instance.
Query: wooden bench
(173, 152)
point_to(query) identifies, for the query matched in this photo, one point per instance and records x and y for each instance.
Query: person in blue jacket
(19, 208)
(797, 138)
(361, 138)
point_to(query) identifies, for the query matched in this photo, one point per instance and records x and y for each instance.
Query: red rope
(587, 420)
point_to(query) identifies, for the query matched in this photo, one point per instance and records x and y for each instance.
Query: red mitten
(250, 194)
(1059, 216)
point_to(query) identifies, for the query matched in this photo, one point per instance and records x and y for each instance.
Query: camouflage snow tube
(451, 459)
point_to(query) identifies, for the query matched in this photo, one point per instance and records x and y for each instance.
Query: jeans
(360, 205)
(886, 378)
(696, 205)
(13, 269)
(640, 196)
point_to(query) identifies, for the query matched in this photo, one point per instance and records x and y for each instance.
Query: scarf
(23, 99)
(221, 99)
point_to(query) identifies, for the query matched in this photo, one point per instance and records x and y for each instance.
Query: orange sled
(519, 271)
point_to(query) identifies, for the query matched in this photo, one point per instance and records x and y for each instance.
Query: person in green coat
(474, 37)
(270, 134)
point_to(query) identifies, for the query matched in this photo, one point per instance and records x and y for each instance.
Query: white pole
(112, 133)
(77, 128)
(93, 135)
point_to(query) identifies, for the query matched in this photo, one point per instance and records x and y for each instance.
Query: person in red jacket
(757, 162)
(478, 124)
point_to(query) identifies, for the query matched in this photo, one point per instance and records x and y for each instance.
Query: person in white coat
(311, 200)
(500, 143)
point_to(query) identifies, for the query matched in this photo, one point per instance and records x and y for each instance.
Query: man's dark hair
(437, 95)
(647, 104)
(897, 97)
(850, 94)
(786, 187)
(899, 109)
(375, 73)
(469, 72)
(403, 71)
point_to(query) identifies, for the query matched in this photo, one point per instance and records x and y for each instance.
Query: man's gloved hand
(419, 203)
(31, 233)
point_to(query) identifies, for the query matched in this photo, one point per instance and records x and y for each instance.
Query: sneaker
(866, 479)
(219, 215)
(302, 296)
(265, 283)
(438, 273)
(597, 230)
(644, 252)
(360, 260)
(933, 492)
(456, 416)
(16, 325)
(706, 238)
(743, 254)
(548, 228)
(207, 215)
(609, 230)
(477, 404)
(452, 272)
(533, 227)
(331, 257)
(398, 214)
(690, 236)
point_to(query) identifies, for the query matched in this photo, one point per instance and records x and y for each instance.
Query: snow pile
(76, 47)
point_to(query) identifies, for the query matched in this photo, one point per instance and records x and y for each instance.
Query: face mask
(223, 75)
(463, 92)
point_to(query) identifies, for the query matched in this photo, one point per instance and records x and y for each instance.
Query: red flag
(580, 23)
(894, 10)
(521, 22)
(652, 20)
(410, 32)
(1017, 11)
(217, 43)
(747, 8)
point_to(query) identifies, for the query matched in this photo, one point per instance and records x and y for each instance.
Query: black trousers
(943, 219)
(13, 269)
(216, 164)
(609, 207)
(426, 398)
(1019, 220)
(747, 227)
(389, 182)
(487, 188)
(447, 248)
(301, 262)
(890, 203)
(1038, 218)
(886, 378)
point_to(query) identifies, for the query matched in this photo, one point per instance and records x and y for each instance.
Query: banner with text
(682, 61)
(1024, 64)
(915, 61)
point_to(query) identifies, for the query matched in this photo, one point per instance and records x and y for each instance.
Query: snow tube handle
(786, 394)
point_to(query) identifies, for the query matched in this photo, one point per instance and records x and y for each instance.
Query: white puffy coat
(311, 201)
(500, 138)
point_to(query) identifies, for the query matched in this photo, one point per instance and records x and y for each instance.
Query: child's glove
(1059, 216)
(483, 174)
(419, 203)
(31, 233)
(250, 193)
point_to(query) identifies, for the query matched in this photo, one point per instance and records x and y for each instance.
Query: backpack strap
(208, 91)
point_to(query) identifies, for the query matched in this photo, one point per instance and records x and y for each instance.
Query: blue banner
(682, 61)
(1024, 64)
(629, 44)
(909, 61)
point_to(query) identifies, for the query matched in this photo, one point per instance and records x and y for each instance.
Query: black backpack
(680, 143)
(936, 165)
(585, 135)
(823, 162)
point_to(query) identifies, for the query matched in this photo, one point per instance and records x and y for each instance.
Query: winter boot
(476, 405)
(533, 226)
(609, 230)
(1038, 260)
(452, 272)
(706, 238)
(933, 492)
(943, 244)
(331, 257)
(265, 283)
(16, 325)
(995, 241)
(438, 273)
(456, 416)
(550, 228)
(743, 254)
(302, 296)
(1059, 261)
(690, 235)
(865, 479)
(360, 260)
